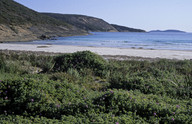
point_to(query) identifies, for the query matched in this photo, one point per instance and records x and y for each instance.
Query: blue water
(160, 40)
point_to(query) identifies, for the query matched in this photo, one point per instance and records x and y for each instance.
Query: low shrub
(152, 108)
(2, 64)
(79, 60)
(30, 97)
(84, 88)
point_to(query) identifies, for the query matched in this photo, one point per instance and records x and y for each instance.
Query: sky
(142, 14)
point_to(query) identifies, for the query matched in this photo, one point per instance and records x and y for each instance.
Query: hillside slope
(84, 22)
(19, 23)
(126, 29)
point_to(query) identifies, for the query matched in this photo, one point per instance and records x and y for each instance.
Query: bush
(30, 97)
(152, 108)
(79, 60)
(127, 91)
(2, 64)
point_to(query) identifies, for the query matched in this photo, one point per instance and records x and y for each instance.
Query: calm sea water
(160, 40)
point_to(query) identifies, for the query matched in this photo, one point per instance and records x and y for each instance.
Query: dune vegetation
(85, 88)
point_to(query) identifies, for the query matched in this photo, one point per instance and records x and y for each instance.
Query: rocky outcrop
(29, 32)
(15, 33)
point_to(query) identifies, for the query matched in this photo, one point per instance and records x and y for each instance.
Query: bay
(153, 40)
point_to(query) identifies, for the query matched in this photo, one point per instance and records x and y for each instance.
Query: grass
(84, 88)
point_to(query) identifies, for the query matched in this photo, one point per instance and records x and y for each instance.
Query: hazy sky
(144, 14)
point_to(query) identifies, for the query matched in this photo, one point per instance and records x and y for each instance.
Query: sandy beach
(167, 54)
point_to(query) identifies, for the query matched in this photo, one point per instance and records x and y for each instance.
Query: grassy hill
(18, 22)
(17, 14)
(126, 29)
(91, 23)
(84, 22)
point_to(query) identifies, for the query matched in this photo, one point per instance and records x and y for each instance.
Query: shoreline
(104, 51)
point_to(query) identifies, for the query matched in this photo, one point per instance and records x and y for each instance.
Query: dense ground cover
(84, 88)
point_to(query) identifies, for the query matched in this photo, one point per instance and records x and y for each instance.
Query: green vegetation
(91, 23)
(84, 88)
(19, 23)
(126, 29)
(83, 22)
(13, 13)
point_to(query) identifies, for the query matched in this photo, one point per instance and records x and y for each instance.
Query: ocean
(152, 40)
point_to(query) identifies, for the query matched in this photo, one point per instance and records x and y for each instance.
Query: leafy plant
(79, 60)
(84, 88)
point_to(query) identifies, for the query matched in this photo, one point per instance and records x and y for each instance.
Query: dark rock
(44, 37)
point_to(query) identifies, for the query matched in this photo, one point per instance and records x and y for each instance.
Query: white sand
(168, 54)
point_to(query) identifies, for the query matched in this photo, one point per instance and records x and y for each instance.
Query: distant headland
(170, 30)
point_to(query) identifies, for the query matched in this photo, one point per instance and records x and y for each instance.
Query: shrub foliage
(85, 88)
